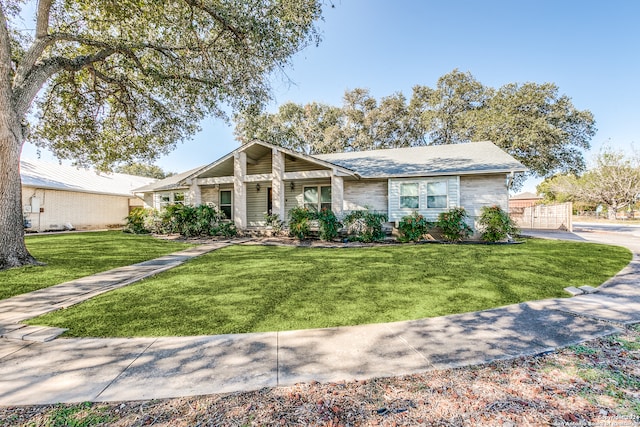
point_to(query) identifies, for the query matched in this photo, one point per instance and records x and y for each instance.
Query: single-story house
(259, 178)
(523, 200)
(55, 197)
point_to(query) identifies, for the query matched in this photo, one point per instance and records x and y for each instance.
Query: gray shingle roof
(459, 159)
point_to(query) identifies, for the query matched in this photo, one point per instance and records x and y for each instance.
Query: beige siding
(300, 165)
(396, 212)
(263, 165)
(366, 194)
(483, 190)
(257, 203)
(81, 210)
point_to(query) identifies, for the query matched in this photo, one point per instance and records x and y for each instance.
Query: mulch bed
(592, 384)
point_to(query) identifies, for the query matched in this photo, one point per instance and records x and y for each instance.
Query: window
(178, 198)
(225, 203)
(409, 197)
(315, 203)
(437, 195)
(165, 199)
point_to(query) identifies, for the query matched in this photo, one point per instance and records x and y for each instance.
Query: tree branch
(39, 45)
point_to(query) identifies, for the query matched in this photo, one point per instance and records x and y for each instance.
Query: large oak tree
(104, 81)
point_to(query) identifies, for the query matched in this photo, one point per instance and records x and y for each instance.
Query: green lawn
(72, 255)
(255, 288)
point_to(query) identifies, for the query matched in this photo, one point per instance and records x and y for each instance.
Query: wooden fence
(544, 217)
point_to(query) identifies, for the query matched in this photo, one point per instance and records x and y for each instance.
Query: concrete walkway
(74, 370)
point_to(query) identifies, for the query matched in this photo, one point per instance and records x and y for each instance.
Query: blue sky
(590, 49)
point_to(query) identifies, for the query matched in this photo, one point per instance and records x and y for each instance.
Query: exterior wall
(263, 165)
(210, 195)
(299, 165)
(431, 214)
(257, 203)
(366, 194)
(483, 190)
(294, 197)
(81, 210)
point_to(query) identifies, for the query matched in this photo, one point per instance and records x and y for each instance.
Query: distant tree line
(532, 122)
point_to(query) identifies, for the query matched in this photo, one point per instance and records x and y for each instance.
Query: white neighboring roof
(39, 174)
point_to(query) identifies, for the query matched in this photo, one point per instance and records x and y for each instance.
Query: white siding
(257, 203)
(396, 212)
(82, 210)
(365, 194)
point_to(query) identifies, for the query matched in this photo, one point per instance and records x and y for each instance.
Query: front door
(269, 201)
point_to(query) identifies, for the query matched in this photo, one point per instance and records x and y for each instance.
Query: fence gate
(544, 217)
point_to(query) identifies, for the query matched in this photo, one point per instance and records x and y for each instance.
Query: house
(55, 197)
(258, 178)
(523, 200)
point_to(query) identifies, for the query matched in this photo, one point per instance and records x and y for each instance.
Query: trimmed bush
(188, 221)
(413, 227)
(299, 224)
(453, 225)
(365, 225)
(328, 224)
(496, 224)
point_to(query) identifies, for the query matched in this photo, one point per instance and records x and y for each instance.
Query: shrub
(413, 227)
(453, 225)
(274, 221)
(328, 224)
(299, 224)
(496, 224)
(226, 229)
(136, 221)
(365, 225)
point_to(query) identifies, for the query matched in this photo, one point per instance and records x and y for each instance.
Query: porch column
(195, 195)
(337, 194)
(239, 190)
(277, 184)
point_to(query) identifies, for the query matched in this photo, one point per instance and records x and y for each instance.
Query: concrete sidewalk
(74, 370)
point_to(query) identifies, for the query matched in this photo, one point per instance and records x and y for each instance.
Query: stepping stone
(19, 334)
(574, 291)
(589, 289)
(45, 335)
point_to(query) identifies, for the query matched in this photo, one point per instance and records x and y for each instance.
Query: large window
(169, 198)
(225, 203)
(178, 198)
(409, 196)
(315, 203)
(437, 195)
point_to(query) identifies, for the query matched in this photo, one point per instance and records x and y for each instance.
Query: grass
(73, 255)
(255, 288)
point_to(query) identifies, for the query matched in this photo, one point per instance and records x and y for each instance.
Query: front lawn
(255, 288)
(70, 256)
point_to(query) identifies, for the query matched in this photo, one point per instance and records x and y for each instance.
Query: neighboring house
(55, 197)
(259, 178)
(523, 200)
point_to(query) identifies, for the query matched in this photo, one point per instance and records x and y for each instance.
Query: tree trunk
(13, 251)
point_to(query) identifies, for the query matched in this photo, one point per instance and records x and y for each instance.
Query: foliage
(329, 226)
(142, 169)
(413, 227)
(188, 221)
(81, 415)
(105, 81)
(274, 221)
(366, 225)
(299, 222)
(496, 224)
(453, 225)
(75, 255)
(613, 181)
(532, 122)
(136, 221)
(284, 288)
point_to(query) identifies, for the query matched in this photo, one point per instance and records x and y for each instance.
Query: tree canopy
(613, 181)
(531, 121)
(143, 169)
(126, 80)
